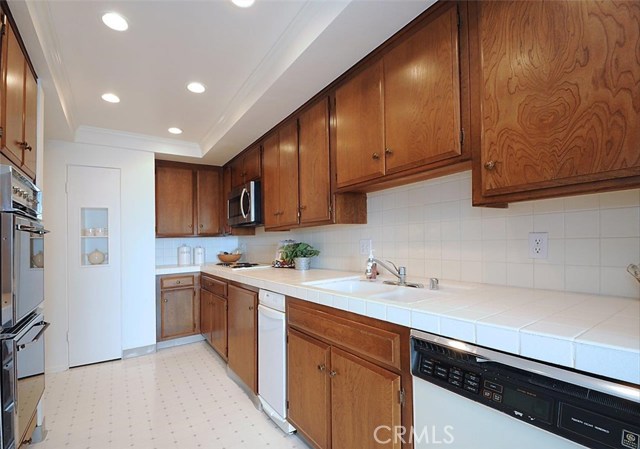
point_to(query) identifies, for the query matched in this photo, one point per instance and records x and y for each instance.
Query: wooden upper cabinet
(246, 167)
(403, 115)
(422, 95)
(313, 153)
(280, 177)
(360, 127)
(174, 201)
(559, 98)
(20, 103)
(188, 200)
(208, 201)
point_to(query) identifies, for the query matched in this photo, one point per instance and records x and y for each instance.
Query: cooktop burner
(238, 264)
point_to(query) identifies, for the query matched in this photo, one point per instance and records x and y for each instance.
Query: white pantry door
(95, 298)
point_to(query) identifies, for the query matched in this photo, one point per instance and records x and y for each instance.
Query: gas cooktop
(240, 265)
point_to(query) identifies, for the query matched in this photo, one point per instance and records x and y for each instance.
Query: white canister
(198, 255)
(184, 255)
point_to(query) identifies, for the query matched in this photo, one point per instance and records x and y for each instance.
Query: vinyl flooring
(180, 397)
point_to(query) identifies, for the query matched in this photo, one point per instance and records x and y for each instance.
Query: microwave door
(245, 203)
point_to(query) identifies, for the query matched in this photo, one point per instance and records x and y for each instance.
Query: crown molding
(48, 39)
(134, 141)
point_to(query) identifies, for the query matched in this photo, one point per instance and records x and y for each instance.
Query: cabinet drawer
(214, 286)
(176, 281)
(368, 341)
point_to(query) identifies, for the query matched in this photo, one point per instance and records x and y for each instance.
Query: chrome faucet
(400, 272)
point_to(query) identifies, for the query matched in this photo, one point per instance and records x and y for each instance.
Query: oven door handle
(44, 325)
(32, 229)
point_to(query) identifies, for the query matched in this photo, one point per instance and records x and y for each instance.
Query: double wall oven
(22, 323)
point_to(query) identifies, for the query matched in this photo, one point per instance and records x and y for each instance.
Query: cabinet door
(12, 136)
(364, 396)
(251, 164)
(313, 151)
(206, 314)
(288, 174)
(422, 95)
(359, 127)
(559, 97)
(271, 181)
(219, 325)
(174, 201)
(208, 201)
(178, 312)
(308, 388)
(236, 171)
(30, 119)
(242, 334)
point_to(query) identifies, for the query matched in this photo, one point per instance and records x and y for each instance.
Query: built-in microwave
(245, 205)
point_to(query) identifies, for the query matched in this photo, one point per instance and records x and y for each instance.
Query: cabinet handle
(321, 367)
(250, 307)
(28, 148)
(190, 226)
(388, 151)
(375, 156)
(490, 165)
(177, 282)
(166, 300)
(332, 373)
(303, 207)
(201, 226)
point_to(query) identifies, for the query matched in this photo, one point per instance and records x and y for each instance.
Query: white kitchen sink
(354, 286)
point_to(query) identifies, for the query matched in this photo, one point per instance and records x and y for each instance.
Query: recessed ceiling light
(243, 3)
(111, 98)
(175, 130)
(196, 88)
(115, 21)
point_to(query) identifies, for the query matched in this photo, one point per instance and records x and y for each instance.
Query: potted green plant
(300, 253)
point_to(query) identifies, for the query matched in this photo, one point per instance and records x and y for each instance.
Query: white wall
(138, 242)
(431, 228)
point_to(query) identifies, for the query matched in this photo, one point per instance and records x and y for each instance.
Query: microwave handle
(31, 229)
(244, 192)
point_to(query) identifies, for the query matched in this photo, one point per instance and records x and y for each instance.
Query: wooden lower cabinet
(309, 389)
(178, 306)
(242, 333)
(213, 313)
(337, 395)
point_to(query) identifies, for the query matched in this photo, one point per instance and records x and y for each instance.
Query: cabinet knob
(388, 151)
(321, 367)
(375, 156)
(490, 165)
(303, 207)
(166, 300)
(332, 373)
(201, 226)
(250, 307)
(190, 226)
(177, 282)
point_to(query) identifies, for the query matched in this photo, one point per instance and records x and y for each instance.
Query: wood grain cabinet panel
(218, 338)
(280, 177)
(242, 320)
(208, 201)
(174, 201)
(206, 314)
(309, 388)
(360, 127)
(403, 114)
(364, 397)
(179, 312)
(315, 170)
(19, 103)
(560, 97)
(246, 167)
(422, 96)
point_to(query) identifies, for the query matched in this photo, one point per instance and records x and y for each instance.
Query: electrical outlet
(365, 247)
(539, 245)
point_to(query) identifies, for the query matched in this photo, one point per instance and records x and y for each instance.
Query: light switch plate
(539, 245)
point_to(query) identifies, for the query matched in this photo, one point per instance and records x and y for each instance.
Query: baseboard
(137, 352)
(179, 341)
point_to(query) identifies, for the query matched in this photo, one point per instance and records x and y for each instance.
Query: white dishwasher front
(272, 358)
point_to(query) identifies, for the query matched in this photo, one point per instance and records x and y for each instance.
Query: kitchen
(421, 215)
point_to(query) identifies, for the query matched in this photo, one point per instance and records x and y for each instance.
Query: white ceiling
(259, 64)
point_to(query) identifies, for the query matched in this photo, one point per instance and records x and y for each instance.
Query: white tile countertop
(596, 334)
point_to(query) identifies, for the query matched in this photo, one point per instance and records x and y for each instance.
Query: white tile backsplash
(433, 229)
(167, 248)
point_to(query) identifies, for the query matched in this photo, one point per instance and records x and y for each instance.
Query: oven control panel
(19, 194)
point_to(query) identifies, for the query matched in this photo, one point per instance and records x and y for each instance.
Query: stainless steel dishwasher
(467, 396)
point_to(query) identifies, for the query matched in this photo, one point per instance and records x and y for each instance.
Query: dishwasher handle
(270, 313)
